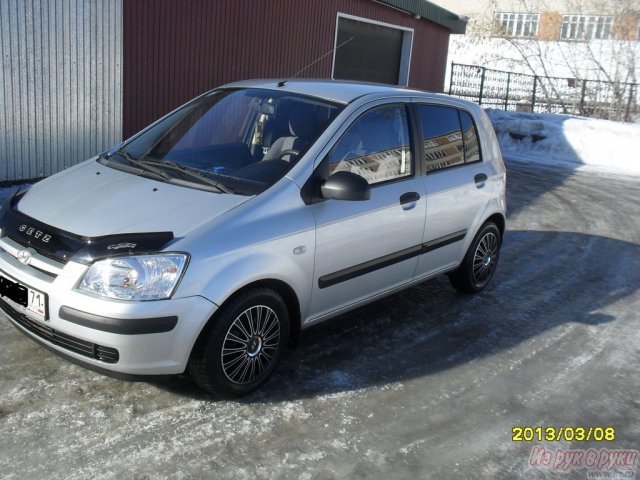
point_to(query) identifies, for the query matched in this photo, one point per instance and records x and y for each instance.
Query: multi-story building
(568, 20)
(568, 56)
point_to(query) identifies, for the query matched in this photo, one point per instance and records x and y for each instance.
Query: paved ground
(424, 384)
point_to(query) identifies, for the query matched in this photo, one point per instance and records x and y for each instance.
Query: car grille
(45, 264)
(73, 344)
(40, 250)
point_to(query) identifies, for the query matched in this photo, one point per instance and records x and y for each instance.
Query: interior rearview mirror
(265, 108)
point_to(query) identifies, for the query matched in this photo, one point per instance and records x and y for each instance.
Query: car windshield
(242, 140)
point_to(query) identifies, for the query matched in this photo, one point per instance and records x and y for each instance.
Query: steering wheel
(291, 152)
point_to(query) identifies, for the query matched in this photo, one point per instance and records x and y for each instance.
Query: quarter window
(470, 138)
(376, 146)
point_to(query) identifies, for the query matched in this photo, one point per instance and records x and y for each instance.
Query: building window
(586, 27)
(518, 24)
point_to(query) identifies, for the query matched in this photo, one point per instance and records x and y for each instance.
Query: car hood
(94, 200)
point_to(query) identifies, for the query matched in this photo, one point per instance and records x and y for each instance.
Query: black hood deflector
(63, 246)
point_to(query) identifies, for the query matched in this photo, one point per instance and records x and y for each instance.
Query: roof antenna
(281, 83)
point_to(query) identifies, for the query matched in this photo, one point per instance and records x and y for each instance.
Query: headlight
(145, 277)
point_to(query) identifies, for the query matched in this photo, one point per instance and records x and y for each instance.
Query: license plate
(27, 297)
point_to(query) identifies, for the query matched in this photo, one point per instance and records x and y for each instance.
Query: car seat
(302, 129)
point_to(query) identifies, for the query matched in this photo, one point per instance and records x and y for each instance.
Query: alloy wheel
(250, 345)
(485, 258)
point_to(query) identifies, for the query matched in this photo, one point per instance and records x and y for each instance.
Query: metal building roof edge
(430, 11)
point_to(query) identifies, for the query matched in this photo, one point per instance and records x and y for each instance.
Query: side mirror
(346, 186)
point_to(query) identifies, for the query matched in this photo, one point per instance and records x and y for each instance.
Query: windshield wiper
(193, 172)
(143, 166)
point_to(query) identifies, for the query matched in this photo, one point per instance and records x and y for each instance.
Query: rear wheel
(480, 261)
(243, 345)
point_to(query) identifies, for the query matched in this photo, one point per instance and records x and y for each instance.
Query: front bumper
(134, 338)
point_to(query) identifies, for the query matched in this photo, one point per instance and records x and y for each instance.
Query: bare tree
(592, 43)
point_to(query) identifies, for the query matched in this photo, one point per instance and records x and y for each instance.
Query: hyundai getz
(209, 240)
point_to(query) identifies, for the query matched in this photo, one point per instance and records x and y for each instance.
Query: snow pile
(568, 141)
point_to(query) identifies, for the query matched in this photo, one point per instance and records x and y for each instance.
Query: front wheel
(243, 345)
(480, 261)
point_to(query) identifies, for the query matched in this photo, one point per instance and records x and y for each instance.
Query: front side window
(243, 140)
(376, 146)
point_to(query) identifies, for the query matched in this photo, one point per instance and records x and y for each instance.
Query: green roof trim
(429, 11)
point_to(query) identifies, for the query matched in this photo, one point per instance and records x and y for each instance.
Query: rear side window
(376, 147)
(443, 146)
(450, 137)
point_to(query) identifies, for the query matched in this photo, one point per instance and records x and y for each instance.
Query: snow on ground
(568, 141)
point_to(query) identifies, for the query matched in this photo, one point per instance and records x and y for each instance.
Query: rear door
(367, 247)
(454, 179)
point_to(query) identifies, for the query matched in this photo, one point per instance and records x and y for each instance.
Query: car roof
(333, 90)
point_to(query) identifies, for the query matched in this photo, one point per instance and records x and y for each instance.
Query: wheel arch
(499, 220)
(284, 290)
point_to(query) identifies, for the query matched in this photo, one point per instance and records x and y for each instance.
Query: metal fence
(533, 93)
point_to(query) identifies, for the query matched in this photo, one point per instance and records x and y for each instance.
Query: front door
(367, 247)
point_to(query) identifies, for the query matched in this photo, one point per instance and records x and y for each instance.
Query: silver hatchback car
(209, 240)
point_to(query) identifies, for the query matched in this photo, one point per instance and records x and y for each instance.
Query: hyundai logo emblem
(24, 256)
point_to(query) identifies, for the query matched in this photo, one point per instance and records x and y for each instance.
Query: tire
(243, 345)
(480, 261)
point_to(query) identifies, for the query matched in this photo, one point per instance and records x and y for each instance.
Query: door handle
(480, 178)
(409, 197)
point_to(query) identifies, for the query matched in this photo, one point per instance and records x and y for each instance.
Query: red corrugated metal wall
(177, 49)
